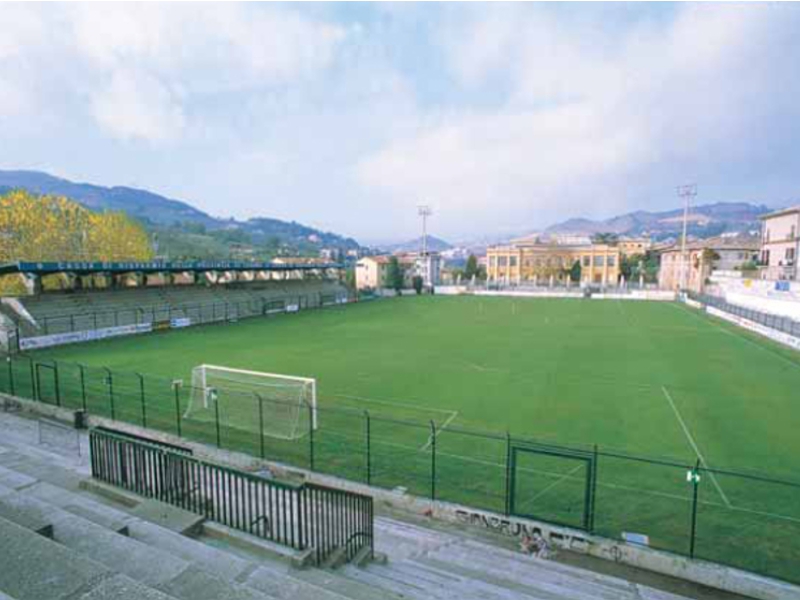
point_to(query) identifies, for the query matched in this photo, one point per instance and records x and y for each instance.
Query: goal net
(283, 406)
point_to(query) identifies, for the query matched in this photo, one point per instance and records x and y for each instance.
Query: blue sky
(504, 118)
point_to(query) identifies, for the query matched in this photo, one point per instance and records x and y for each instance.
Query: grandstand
(209, 292)
(67, 535)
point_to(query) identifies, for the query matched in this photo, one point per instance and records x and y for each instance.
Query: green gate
(47, 388)
(554, 485)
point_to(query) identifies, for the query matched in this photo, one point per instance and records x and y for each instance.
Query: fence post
(34, 392)
(83, 386)
(57, 383)
(368, 441)
(216, 420)
(695, 485)
(595, 464)
(261, 423)
(310, 437)
(508, 473)
(177, 389)
(433, 460)
(110, 382)
(141, 397)
(10, 375)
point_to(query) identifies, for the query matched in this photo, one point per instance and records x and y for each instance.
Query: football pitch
(656, 379)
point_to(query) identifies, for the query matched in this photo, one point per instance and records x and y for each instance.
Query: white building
(779, 244)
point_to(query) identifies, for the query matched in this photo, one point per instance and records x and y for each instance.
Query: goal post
(283, 406)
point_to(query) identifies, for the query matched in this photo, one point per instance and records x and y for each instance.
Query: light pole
(687, 192)
(425, 211)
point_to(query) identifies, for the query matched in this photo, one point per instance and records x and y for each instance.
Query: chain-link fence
(777, 322)
(743, 519)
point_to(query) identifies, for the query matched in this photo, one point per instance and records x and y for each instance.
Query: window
(765, 258)
(789, 254)
(502, 261)
(587, 261)
(512, 261)
(492, 261)
(612, 260)
(766, 235)
(791, 233)
(599, 261)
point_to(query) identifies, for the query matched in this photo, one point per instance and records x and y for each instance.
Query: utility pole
(687, 192)
(424, 211)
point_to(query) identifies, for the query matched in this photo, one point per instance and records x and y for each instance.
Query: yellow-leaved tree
(54, 228)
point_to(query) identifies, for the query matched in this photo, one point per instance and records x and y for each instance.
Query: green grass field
(656, 379)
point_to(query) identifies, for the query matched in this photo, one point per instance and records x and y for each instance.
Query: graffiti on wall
(516, 528)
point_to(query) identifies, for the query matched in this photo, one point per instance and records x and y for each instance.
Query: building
(702, 258)
(530, 260)
(779, 244)
(371, 270)
(632, 246)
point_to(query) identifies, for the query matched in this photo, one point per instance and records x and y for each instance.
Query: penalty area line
(447, 422)
(694, 445)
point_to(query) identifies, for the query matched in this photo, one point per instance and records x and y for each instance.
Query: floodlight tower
(425, 211)
(687, 192)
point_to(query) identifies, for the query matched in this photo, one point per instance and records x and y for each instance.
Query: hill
(181, 229)
(706, 220)
(434, 245)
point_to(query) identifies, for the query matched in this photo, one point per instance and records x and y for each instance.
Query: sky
(504, 118)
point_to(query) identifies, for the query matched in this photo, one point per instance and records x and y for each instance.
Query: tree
(417, 282)
(605, 238)
(394, 275)
(471, 270)
(575, 271)
(53, 228)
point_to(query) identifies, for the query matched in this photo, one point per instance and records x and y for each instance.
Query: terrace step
(121, 587)
(193, 583)
(35, 568)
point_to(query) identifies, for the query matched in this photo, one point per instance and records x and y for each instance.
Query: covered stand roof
(81, 267)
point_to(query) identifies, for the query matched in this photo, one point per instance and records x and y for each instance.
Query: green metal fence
(306, 516)
(735, 517)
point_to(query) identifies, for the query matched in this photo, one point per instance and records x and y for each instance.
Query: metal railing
(740, 517)
(197, 313)
(306, 516)
(777, 322)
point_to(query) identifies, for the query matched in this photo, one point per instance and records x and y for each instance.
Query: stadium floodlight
(687, 192)
(280, 406)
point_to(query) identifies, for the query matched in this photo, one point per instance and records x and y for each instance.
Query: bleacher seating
(60, 312)
(100, 547)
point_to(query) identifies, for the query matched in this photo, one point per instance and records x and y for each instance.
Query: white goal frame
(312, 382)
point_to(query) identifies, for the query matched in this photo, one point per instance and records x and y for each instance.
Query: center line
(694, 445)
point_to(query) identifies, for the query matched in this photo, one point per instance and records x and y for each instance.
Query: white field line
(392, 403)
(439, 430)
(694, 445)
(483, 369)
(557, 482)
(711, 320)
(611, 486)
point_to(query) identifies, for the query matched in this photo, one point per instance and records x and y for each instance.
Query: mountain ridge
(167, 214)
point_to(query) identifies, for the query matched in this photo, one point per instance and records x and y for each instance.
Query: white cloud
(588, 113)
(137, 106)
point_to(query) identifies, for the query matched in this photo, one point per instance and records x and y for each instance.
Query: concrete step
(119, 553)
(534, 581)
(34, 520)
(35, 568)
(336, 581)
(278, 584)
(39, 469)
(412, 580)
(404, 540)
(516, 561)
(122, 587)
(194, 583)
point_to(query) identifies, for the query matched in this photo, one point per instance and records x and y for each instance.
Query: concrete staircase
(60, 541)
